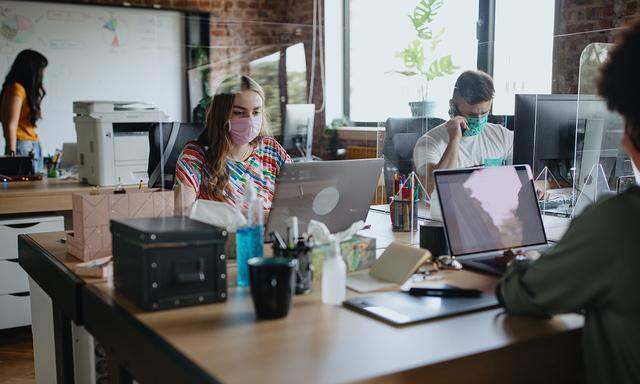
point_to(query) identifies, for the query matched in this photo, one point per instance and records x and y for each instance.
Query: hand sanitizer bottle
(334, 276)
(250, 238)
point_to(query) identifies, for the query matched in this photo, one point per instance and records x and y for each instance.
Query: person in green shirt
(595, 268)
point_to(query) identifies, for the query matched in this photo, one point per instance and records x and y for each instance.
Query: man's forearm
(449, 159)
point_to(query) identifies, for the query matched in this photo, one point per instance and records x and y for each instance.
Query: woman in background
(233, 149)
(20, 100)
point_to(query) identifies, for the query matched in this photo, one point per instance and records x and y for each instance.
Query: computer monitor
(549, 128)
(171, 137)
(297, 136)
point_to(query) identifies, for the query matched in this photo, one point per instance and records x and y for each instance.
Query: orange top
(26, 130)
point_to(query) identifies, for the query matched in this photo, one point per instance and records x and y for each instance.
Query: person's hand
(455, 127)
(509, 257)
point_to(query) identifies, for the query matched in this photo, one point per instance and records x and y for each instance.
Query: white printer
(113, 140)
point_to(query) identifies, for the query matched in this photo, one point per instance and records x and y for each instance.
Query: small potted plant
(420, 58)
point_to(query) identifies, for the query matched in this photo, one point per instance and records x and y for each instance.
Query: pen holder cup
(401, 212)
(304, 269)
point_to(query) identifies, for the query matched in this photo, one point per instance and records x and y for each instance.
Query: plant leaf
(423, 14)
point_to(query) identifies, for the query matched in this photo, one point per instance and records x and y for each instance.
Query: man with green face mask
(467, 139)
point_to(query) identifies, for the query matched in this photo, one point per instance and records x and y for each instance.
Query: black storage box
(169, 262)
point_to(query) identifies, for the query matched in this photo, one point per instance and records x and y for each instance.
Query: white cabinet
(11, 228)
(14, 310)
(13, 279)
(14, 286)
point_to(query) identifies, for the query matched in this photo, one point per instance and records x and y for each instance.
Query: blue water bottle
(249, 238)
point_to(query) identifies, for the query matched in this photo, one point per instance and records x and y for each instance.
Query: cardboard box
(358, 253)
(92, 211)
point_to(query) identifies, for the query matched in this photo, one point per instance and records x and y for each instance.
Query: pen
(277, 239)
(444, 292)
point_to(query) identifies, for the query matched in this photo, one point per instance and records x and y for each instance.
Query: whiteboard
(96, 53)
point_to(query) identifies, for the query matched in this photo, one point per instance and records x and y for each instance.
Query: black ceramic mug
(272, 285)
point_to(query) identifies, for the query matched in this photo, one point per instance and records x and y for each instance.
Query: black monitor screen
(548, 127)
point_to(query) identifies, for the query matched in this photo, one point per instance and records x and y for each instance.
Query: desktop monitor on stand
(551, 129)
(297, 136)
(568, 136)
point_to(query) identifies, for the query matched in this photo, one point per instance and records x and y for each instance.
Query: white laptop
(487, 211)
(336, 193)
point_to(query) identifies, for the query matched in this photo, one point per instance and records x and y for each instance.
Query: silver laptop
(487, 211)
(337, 193)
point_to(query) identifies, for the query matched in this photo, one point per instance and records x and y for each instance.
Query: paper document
(394, 267)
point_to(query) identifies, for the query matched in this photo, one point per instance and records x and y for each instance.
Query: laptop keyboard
(492, 263)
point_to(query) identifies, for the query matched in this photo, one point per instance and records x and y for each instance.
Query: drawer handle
(185, 273)
(21, 225)
(20, 294)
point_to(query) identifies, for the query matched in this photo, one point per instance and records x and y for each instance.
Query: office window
(296, 74)
(523, 50)
(266, 71)
(378, 30)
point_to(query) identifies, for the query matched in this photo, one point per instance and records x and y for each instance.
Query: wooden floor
(16, 356)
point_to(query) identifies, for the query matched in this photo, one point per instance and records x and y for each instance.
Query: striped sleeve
(190, 166)
(275, 151)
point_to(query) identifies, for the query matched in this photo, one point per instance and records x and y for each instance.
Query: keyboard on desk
(489, 265)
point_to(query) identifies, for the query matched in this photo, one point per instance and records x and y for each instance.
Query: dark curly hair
(620, 80)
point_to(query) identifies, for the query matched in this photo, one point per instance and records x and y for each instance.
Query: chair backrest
(401, 135)
(172, 137)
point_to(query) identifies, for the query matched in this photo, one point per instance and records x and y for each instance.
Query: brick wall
(579, 23)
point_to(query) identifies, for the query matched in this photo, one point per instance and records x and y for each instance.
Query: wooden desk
(46, 195)
(44, 257)
(329, 344)
(316, 342)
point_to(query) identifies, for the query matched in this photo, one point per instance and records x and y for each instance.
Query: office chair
(174, 137)
(401, 135)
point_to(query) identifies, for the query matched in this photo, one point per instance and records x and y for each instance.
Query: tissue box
(358, 253)
(91, 238)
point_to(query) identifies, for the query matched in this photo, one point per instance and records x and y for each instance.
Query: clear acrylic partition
(402, 73)
(601, 165)
(286, 58)
(172, 60)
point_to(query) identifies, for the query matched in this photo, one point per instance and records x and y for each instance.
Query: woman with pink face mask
(233, 149)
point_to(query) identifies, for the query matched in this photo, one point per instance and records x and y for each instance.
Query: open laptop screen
(489, 209)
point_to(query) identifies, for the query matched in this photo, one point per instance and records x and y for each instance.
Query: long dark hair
(216, 135)
(27, 70)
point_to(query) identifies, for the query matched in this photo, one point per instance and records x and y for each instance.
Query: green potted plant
(420, 57)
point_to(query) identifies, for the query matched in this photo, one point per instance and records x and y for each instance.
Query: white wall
(85, 62)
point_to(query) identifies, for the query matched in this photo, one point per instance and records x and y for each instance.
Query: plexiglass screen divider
(601, 165)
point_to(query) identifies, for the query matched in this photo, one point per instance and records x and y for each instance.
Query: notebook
(392, 269)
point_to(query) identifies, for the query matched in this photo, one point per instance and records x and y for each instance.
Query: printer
(113, 140)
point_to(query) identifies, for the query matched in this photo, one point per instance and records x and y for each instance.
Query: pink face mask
(244, 129)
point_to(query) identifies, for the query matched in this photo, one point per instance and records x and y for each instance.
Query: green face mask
(476, 125)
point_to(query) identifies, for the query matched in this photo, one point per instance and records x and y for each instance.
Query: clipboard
(399, 308)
